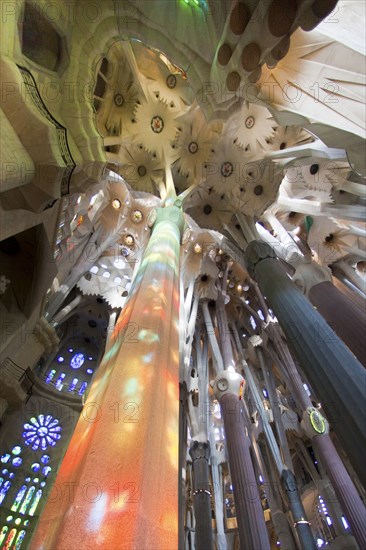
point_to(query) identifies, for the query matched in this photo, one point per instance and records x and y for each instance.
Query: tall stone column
(273, 495)
(251, 525)
(336, 376)
(200, 453)
(182, 466)
(346, 319)
(345, 490)
(118, 484)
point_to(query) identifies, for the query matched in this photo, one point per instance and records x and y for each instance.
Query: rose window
(77, 360)
(42, 432)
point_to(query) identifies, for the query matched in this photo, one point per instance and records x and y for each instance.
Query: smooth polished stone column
(336, 376)
(121, 467)
(200, 454)
(251, 525)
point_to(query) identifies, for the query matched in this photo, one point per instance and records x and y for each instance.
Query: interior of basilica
(182, 275)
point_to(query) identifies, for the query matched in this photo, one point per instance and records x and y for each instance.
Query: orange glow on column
(118, 484)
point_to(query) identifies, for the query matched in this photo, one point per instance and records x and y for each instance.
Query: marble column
(121, 467)
(251, 525)
(200, 454)
(336, 376)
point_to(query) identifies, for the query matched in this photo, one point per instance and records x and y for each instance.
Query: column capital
(199, 449)
(172, 213)
(227, 382)
(309, 274)
(257, 251)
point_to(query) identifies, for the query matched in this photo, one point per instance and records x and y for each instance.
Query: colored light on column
(123, 456)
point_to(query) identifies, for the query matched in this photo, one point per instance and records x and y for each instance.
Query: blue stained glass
(1, 480)
(35, 502)
(17, 461)
(89, 371)
(4, 489)
(60, 359)
(26, 522)
(70, 350)
(11, 475)
(42, 432)
(83, 387)
(77, 360)
(46, 470)
(4, 472)
(5, 458)
(73, 384)
(50, 376)
(18, 498)
(27, 500)
(16, 450)
(27, 479)
(59, 380)
(19, 540)
(35, 467)
(45, 459)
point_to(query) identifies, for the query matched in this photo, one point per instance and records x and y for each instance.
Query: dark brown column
(251, 525)
(334, 373)
(200, 453)
(346, 319)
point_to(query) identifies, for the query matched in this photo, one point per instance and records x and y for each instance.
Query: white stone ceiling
(231, 172)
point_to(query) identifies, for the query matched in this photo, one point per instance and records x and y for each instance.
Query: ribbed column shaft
(225, 342)
(297, 509)
(348, 497)
(279, 519)
(346, 492)
(251, 525)
(200, 453)
(273, 399)
(336, 376)
(346, 319)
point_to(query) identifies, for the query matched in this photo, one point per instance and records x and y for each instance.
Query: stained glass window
(73, 384)
(51, 374)
(77, 360)
(59, 380)
(42, 432)
(83, 388)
